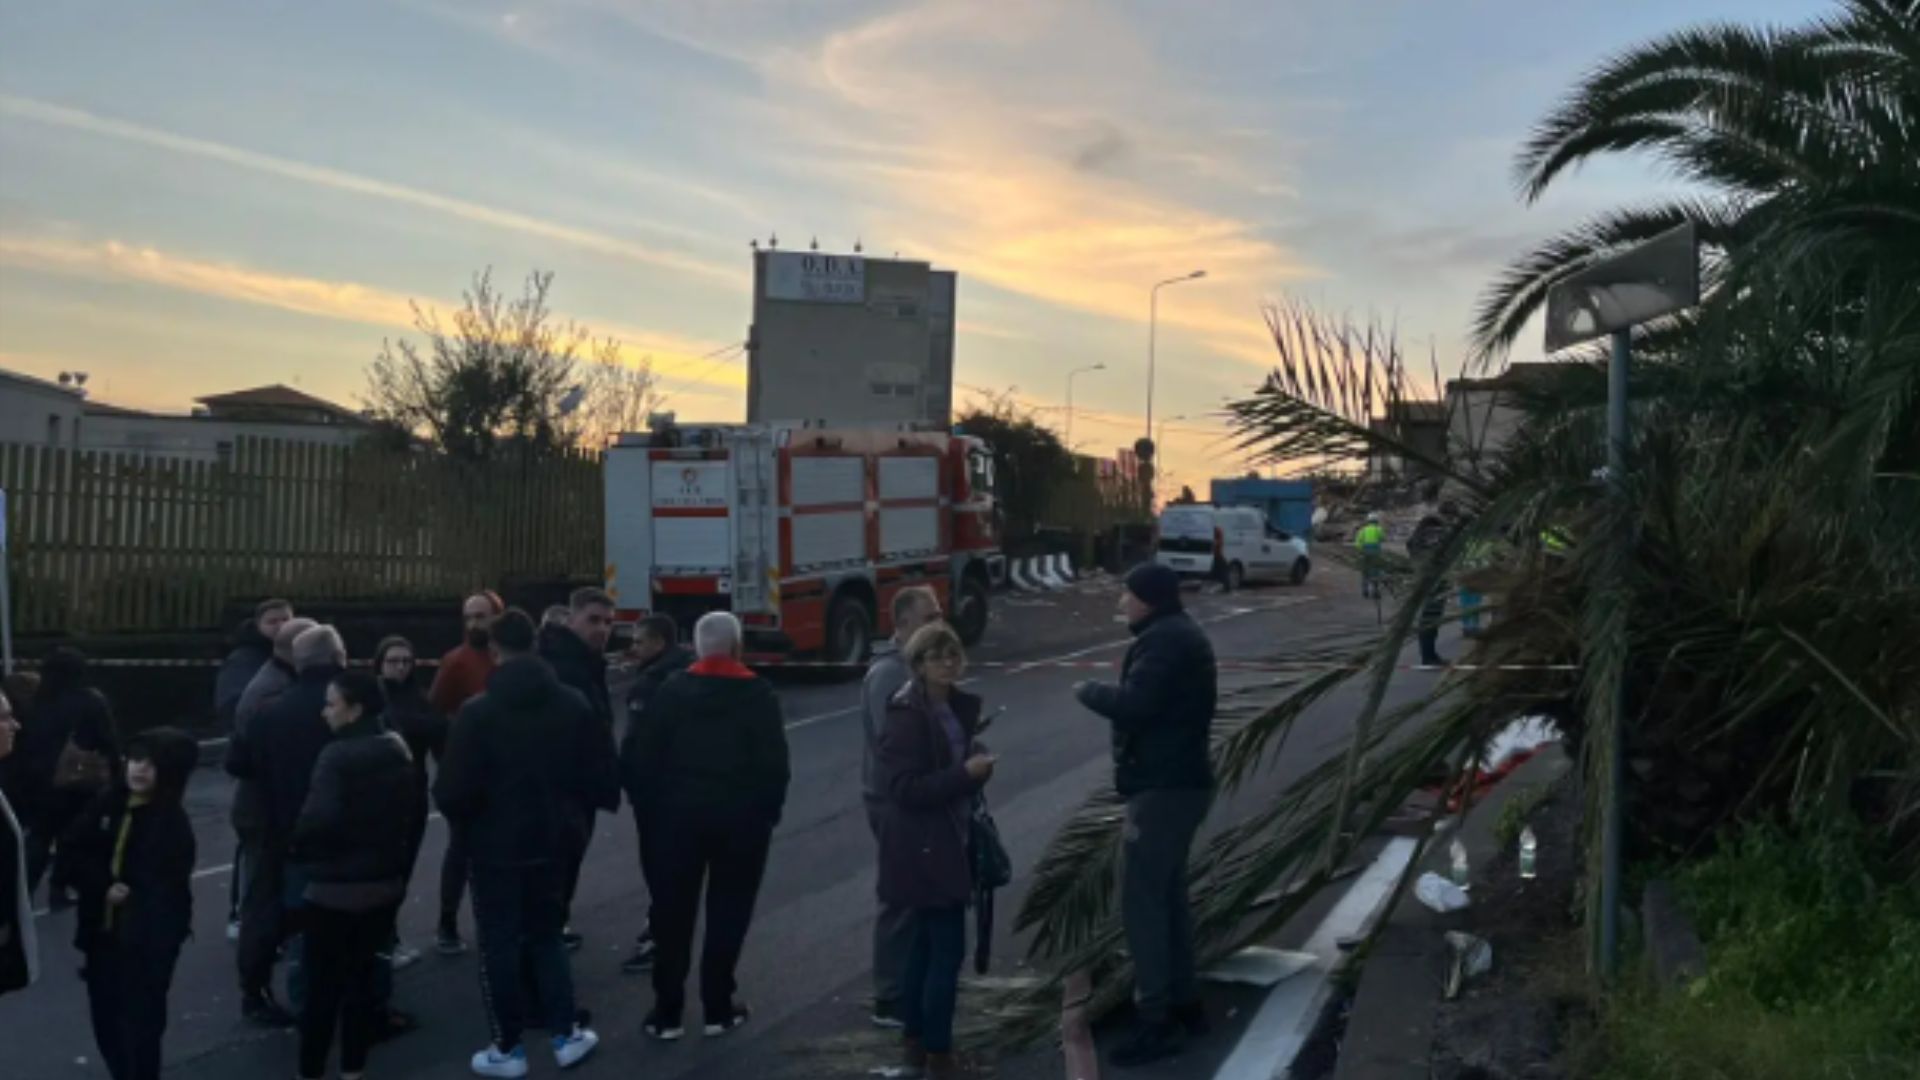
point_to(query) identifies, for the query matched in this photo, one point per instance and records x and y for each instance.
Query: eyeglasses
(398, 661)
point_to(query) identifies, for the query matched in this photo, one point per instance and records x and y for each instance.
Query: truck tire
(970, 609)
(849, 630)
(1299, 574)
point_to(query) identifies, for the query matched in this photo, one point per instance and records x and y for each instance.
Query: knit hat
(1156, 586)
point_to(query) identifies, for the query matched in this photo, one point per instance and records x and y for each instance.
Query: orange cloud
(673, 358)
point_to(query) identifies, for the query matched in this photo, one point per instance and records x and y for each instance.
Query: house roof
(278, 396)
(1515, 377)
(38, 383)
(1419, 412)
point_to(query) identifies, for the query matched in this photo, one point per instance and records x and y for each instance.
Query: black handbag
(992, 866)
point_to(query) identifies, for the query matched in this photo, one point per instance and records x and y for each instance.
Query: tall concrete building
(846, 339)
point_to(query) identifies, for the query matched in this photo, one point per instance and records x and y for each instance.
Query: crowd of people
(333, 792)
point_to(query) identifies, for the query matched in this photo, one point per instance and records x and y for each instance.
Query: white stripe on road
(1278, 1031)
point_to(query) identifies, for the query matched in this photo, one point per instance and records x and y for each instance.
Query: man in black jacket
(281, 747)
(712, 769)
(252, 650)
(1162, 713)
(577, 652)
(523, 761)
(1428, 538)
(660, 656)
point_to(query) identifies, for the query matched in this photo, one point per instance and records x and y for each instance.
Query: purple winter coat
(923, 828)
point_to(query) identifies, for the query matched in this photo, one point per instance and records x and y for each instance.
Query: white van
(1232, 545)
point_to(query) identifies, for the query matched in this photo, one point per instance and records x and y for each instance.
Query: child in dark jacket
(130, 858)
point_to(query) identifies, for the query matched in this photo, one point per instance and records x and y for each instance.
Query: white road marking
(1267, 1048)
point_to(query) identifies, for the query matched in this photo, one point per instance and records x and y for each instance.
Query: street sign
(1657, 278)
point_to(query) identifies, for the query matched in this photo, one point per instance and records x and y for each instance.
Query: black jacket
(527, 763)
(250, 653)
(16, 908)
(157, 870)
(646, 686)
(356, 825)
(412, 717)
(283, 743)
(1162, 710)
(80, 713)
(714, 742)
(579, 667)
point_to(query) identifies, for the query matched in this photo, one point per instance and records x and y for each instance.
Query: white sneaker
(491, 1062)
(570, 1050)
(404, 956)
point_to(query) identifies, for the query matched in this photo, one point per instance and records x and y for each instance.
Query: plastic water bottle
(1462, 873)
(1529, 851)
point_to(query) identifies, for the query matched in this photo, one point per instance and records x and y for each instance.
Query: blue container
(1287, 504)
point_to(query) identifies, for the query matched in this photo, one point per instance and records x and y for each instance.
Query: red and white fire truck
(804, 532)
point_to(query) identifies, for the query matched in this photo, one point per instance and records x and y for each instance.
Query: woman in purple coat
(932, 774)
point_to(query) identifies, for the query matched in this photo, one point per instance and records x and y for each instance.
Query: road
(806, 968)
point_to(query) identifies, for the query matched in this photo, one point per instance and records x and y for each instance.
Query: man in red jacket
(462, 677)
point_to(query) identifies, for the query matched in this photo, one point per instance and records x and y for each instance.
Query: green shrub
(1813, 969)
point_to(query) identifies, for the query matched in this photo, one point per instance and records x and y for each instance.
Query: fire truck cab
(804, 532)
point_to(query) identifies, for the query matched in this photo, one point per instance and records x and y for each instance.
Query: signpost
(1660, 277)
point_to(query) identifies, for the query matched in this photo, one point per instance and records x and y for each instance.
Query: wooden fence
(104, 543)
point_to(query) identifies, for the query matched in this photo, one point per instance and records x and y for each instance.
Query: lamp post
(1153, 323)
(1070, 375)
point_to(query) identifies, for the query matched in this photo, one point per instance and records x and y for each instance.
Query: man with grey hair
(912, 608)
(282, 744)
(249, 815)
(712, 762)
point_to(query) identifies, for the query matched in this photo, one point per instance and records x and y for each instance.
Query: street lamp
(1070, 375)
(1153, 322)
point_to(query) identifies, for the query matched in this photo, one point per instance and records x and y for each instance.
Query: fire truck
(804, 532)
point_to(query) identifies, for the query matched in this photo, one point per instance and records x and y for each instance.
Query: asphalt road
(806, 968)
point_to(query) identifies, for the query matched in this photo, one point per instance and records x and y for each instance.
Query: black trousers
(343, 949)
(519, 911)
(127, 996)
(726, 855)
(1153, 897)
(647, 873)
(265, 923)
(455, 864)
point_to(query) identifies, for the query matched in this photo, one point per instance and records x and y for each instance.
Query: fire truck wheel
(970, 610)
(849, 630)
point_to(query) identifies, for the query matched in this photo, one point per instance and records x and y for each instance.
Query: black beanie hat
(1157, 586)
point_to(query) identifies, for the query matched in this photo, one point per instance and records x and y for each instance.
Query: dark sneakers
(662, 1027)
(1150, 1042)
(886, 1016)
(260, 1010)
(641, 961)
(1192, 1017)
(732, 1017)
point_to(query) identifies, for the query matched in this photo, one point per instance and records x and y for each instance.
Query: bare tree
(615, 397)
(506, 373)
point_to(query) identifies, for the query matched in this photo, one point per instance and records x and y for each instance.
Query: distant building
(1418, 425)
(1483, 414)
(44, 413)
(846, 339)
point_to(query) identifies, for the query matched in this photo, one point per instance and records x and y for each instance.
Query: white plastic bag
(1439, 894)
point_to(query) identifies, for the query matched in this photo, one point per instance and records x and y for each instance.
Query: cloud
(339, 180)
(674, 359)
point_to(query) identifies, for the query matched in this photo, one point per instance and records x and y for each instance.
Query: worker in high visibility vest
(1369, 542)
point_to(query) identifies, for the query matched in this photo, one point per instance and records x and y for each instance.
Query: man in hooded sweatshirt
(520, 760)
(131, 857)
(712, 763)
(1162, 713)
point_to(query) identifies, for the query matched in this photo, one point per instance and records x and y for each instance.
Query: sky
(197, 197)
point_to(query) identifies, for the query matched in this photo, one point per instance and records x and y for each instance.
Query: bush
(1813, 968)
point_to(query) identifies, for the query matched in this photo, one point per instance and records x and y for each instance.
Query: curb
(1390, 1030)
